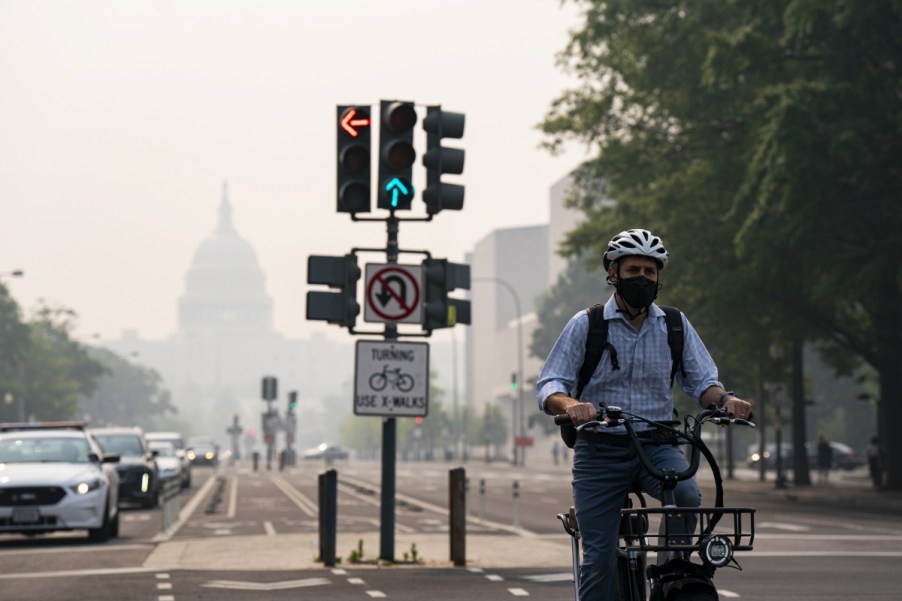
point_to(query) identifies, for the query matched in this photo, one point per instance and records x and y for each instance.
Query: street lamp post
(519, 396)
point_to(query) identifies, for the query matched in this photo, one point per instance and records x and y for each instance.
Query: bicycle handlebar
(614, 416)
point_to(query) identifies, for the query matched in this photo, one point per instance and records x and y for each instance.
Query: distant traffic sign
(391, 378)
(393, 293)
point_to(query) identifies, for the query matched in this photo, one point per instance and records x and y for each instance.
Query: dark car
(325, 451)
(844, 456)
(203, 453)
(139, 475)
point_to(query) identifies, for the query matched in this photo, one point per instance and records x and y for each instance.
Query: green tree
(127, 393)
(56, 370)
(760, 141)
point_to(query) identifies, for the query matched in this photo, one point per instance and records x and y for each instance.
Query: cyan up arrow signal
(397, 188)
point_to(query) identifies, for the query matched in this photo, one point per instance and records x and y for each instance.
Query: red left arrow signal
(349, 123)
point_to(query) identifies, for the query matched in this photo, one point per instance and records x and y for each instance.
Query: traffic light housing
(354, 159)
(270, 388)
(340, 307)
(514, 384)
(438, 160)
(292, 401)
(396, 155)
(441, 278)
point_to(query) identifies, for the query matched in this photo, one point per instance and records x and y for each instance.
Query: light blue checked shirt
(642, 384)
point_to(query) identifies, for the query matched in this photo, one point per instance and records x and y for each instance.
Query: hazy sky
(120, 120)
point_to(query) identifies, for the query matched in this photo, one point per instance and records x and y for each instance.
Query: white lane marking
(67, 573)
(563, 576)
(476, 570)
(494, 577)
(265, 586)
(233, 498)
(166, 598)
(163, 576)
(339, 572)
(518, 592)
(439, 510)
(270, 530)
(356, 581)
(784, 526)
(378, 594)
(94, 549)
(755, 554)
(834, 537)
(164, 586)
(305, 504)
(832, 523)
(222, 531)
(730, 594)
(187, 510)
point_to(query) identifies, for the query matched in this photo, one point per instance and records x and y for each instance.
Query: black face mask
(638, 292)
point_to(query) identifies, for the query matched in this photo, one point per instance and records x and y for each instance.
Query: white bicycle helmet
(635, 242)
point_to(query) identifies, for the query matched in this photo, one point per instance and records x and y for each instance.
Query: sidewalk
(846, 489)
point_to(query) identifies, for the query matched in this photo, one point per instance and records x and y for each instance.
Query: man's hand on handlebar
(581, 413)
(738, 408)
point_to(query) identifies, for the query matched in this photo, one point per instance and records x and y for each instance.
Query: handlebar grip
(562, 420)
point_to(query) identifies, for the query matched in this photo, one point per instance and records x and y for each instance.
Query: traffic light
(341, 307)
(514, 384)
(270, 388)
(396, 154)
(353, 186)
(442, 277)
(292, 401)
(439, 160)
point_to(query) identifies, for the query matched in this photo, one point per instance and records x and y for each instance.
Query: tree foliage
(760, 141)
(47, 375)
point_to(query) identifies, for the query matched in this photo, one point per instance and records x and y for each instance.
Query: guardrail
(170, 502)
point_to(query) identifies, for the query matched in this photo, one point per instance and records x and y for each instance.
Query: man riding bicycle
(639, 381)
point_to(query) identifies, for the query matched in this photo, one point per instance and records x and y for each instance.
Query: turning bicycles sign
(391, 378)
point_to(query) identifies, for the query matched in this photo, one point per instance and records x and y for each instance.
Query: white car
(168, 462)
(53, 476)
(179, 442)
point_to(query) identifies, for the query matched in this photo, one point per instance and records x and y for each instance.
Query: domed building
(225, 343)
(225, 287)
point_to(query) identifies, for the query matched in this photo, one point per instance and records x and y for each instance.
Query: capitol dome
(225, 287)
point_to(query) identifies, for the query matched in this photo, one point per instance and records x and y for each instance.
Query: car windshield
(176, 441)
(43, 450)
(163, 450)
(125, 445)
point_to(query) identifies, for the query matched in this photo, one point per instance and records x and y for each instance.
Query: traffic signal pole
(389, 429)
(394, 191)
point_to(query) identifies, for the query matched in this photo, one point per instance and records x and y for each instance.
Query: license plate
(26, 516)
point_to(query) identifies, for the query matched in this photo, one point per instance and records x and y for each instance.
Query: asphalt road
(253, 535)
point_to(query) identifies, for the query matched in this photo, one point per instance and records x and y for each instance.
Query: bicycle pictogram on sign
(394, 377)
(393, 293)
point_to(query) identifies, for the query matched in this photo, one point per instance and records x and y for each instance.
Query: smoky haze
(122, 120)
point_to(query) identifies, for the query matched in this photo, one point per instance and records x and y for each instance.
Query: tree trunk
(890, 416)
(800, 473)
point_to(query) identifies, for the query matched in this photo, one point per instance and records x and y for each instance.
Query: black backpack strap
(674, 339)
(596, 343)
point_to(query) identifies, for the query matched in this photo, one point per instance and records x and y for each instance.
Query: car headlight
(83, 488)
(209, 455)
(191, 455)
